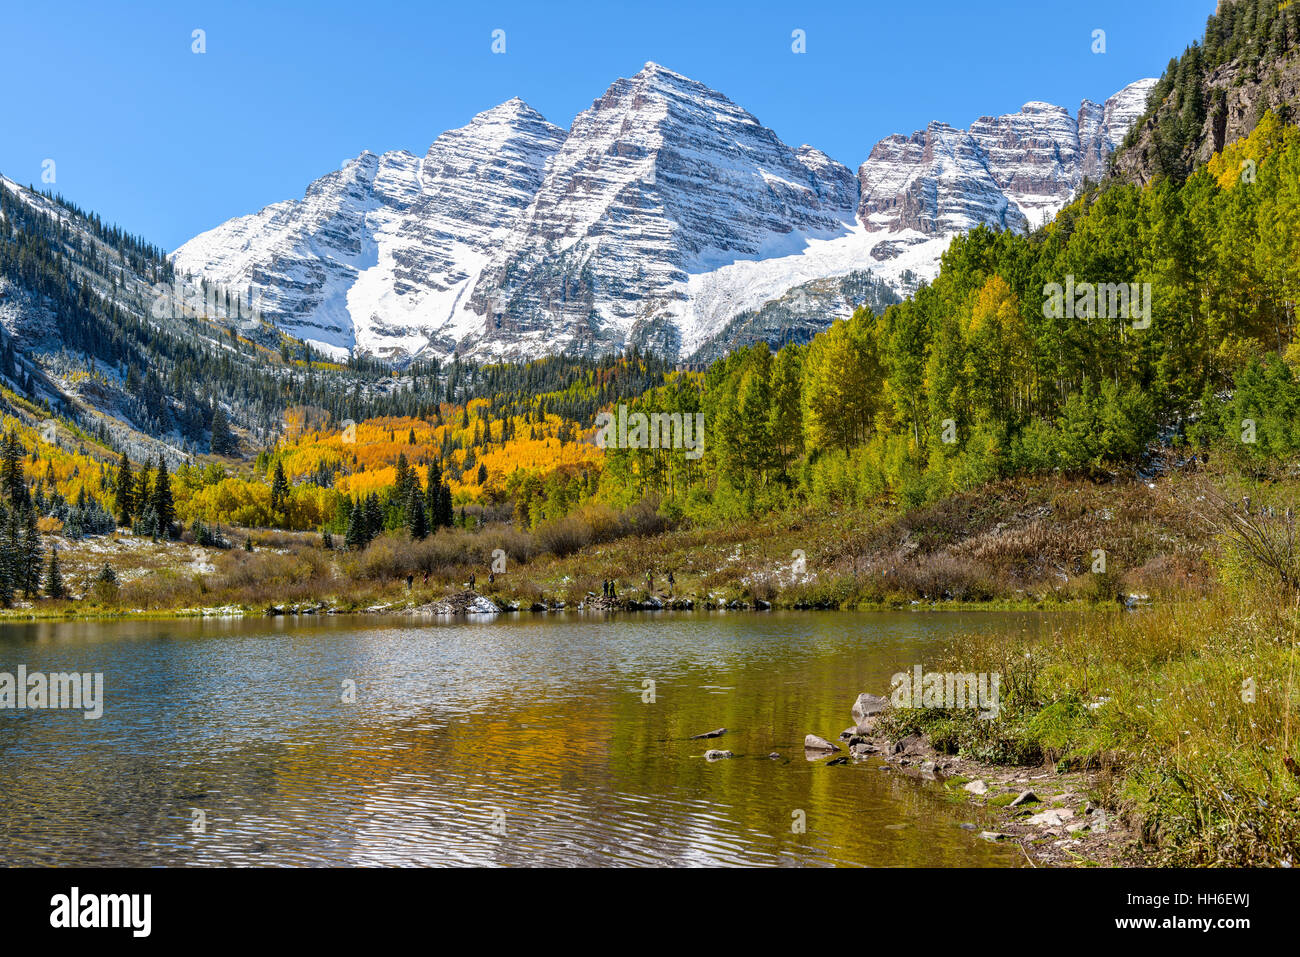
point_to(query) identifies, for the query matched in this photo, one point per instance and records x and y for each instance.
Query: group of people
(610, 586)
(492, 579)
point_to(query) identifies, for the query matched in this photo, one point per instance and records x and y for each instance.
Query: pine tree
(448, 510)
(11, 468)
(223, 440)
(10, 558)
(54, 586)
(125, 491)
(432, 493)
(374, 517)
(415, 517)
(162, 503)
(32, 553)
(402, 481)
(279, 488)
(356, 533)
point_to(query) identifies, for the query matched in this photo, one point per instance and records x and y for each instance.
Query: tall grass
(1193, 707)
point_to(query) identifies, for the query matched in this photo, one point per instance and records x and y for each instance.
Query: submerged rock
(709, 734)
(717, 755)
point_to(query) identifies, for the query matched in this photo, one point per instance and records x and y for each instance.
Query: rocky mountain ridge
(664, 213)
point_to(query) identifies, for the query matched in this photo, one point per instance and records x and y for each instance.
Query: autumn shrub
(945, 577)
(163, 588)
(564, 536)
(644, 518)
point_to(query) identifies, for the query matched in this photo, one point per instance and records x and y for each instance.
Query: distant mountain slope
(376, 256)
(94, 332)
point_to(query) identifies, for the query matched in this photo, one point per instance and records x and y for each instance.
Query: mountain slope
(375, 256)
(661, 178)
(1214, 94)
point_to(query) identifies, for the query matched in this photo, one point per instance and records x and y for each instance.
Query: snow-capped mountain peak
(665, 211)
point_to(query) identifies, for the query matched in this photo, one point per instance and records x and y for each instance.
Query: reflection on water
(524, 741)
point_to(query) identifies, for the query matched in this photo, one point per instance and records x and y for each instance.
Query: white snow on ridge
(662, 213)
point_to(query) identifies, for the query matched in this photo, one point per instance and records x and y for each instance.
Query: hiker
(410, 582)
(492, 577)
(649, 583)
(604, 588)
(613, 588)
(671, 583)
(471, 581)
(426, 578)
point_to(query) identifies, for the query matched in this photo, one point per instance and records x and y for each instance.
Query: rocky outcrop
(1239, 94)
(1006, 172)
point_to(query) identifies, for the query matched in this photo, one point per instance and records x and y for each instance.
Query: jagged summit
(661, 214)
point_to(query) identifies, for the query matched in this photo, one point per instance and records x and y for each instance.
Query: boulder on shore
(813, 743)
(461, 603)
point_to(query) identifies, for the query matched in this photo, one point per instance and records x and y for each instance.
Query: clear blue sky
(167, 143)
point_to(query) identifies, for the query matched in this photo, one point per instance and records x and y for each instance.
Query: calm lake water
(520, 741)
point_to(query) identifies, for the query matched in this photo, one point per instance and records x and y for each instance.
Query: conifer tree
(162, 503)
(54, 586)
(355, 537)
(126, 491)
(279, 488)
(415, 518)
(31, 555)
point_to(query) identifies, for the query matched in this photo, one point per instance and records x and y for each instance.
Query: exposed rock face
(1102, 128)
(666, 217)
(1243, 94)
(1006, 172)
(661, 177)
(800, 313)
